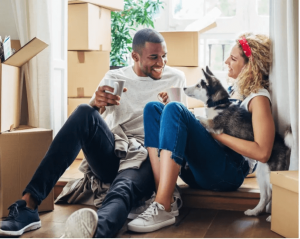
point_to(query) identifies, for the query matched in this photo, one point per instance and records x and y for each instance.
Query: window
(237, 16)
(263, 7)
(192, 9)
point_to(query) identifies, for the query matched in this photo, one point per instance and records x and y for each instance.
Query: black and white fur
(226, 117)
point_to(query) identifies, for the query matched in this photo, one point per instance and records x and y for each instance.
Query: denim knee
(83, 109)
(173, 106)
(152, 107)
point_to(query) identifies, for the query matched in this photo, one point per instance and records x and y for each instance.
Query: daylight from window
(237, 16)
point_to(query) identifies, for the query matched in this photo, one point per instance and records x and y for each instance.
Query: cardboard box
(184, 46)
(85, 71)
(89, 27)
(114, 5)
(285, 207)
(21, 152)
(72, 105)
(10, 83)
(192, 75)
(15, 44)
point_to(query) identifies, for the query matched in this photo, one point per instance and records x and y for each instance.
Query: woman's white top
(244, 104)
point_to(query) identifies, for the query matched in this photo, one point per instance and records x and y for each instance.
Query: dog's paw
(251, 212)
(268, 219)
(218, 131)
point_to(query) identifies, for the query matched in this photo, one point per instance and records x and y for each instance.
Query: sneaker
(175, 206)
(20, 219)
(154, 218)
(81, 224)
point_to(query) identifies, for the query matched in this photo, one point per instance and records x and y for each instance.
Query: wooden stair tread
(247, 196)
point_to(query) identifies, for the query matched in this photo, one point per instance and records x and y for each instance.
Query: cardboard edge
(15, 55)
(0, 103)
(85, 1)
(277, 178)
(205, 29)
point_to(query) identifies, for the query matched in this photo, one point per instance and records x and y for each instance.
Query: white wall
(7, 22)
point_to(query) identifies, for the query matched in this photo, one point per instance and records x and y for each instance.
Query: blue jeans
(86, 129)
(210, 166)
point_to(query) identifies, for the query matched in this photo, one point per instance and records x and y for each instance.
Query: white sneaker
(175, 206)
(81, 224)
(154, 218)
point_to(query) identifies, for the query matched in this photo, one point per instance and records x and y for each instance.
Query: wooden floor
(212, 222)
(208, 223)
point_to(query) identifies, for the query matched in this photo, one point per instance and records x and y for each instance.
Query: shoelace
(151, 211)
(14, 212)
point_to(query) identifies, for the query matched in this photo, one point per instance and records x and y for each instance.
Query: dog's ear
(203, 83)
(207, 76)
(209, 71)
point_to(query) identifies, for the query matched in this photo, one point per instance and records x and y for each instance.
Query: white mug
(174, 94)
(117, 84)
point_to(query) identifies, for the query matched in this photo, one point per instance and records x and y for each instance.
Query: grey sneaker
(154, 218)
(175, 206)
(81, 224)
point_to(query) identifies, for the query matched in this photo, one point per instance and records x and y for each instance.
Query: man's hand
(164, 98)
(106, 99)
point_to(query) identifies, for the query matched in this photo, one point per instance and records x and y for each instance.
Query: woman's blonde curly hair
(255, 73)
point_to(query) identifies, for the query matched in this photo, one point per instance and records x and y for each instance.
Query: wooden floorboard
(237, 225)
(191, 223)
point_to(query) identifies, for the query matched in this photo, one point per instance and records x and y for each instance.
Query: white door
(59, 28)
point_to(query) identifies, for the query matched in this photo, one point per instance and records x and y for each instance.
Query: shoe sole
(81, 224)
(134, 216)
(30, 227)
(151, 228)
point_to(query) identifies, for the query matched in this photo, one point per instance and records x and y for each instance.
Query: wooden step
(246, 197)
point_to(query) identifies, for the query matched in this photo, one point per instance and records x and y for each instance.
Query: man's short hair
(145, 35)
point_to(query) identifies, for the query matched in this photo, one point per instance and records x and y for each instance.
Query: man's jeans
(86, 129)
(210, 166)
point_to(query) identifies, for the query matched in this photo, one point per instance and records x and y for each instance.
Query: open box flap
(204, 22)
(28, 51)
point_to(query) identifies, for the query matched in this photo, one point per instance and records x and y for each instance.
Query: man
(127, 169)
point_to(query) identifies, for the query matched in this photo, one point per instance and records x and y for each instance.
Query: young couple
(162, 140)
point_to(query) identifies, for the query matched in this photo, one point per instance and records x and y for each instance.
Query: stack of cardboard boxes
(89, 46)
(21, 147)
(184, 52)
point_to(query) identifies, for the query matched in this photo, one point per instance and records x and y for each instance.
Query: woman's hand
(163, 97)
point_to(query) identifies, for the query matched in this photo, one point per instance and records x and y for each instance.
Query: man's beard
(147, 73)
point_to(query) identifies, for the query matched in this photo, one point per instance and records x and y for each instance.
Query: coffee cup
(117, 84)
(174, 94)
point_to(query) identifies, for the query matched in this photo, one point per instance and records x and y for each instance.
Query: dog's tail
(288, 141)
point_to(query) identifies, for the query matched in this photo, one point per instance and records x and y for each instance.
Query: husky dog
(226, 117)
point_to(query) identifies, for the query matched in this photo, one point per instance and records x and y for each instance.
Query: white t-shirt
(141, 90)
(244, 105)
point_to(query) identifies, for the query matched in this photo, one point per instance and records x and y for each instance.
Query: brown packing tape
(80, 92)
(80, 55)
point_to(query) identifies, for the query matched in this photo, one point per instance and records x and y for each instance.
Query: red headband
(245, 46)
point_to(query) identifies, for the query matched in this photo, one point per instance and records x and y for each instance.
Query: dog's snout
(184, 88)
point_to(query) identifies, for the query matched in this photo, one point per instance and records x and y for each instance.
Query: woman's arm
(264, 132)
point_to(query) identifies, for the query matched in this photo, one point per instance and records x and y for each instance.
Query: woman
(186, 148)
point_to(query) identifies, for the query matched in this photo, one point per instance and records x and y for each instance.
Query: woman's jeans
(205, 163)
(86, 129)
